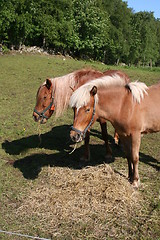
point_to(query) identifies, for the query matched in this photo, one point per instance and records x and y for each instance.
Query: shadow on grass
(58, 139)
(149, 160)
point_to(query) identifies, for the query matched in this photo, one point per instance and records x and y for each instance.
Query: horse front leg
(135, 146)
(86, 155)
(126, 141)
(105, 138)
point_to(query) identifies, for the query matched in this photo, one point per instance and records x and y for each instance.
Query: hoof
(136, 184)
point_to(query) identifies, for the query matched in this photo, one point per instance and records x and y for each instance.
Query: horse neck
(110, 103)
(86, 76)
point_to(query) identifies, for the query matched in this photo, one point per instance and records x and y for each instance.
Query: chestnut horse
(54, 94)
(132, 110)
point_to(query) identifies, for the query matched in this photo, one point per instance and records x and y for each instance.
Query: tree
(102, 30)
(145, 38)
(90, 29)
(120, 30)
(158, 40)
(7, 17)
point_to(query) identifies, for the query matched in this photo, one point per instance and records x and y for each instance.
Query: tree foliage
(103, 30)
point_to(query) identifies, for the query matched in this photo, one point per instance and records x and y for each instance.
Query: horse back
(144, 116)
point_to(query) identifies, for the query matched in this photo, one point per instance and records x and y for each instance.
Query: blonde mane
(62, 91)
(138, 90)
(82, 95)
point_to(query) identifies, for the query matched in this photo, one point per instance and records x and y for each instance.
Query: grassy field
(46, 192)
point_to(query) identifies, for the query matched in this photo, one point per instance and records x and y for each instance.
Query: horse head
(84, 118)
(44, 102)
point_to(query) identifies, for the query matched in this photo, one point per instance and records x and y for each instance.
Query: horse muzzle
(38, 117)
(76, 135)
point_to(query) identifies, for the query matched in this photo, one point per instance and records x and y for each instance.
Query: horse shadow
(149, 160)
(56, 140)
(59, 141)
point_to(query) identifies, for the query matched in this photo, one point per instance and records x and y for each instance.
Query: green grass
(33, 175)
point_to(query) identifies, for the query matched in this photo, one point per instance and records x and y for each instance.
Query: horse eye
(44, 97)
(87, 110)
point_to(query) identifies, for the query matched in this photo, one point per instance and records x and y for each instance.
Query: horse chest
(122, 128)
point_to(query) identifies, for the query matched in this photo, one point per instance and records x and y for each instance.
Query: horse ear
(48, 83)
(72, 88)
(93, 91)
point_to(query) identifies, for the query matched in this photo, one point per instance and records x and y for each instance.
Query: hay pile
(96, 197)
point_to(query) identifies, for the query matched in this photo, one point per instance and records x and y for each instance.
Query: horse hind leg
(116, 138)
(105, 138)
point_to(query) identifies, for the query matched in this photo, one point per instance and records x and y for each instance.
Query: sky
(145, 5)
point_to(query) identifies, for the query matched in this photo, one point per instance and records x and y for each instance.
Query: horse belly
(152, 126)
(152, 118)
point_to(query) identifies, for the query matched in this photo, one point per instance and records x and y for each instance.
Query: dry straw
(93, 195)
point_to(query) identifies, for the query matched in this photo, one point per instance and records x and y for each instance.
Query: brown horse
(132, 110)
(54, 94)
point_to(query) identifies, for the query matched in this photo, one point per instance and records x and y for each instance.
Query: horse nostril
(35, 117)
(73, 138)
(76, 137)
